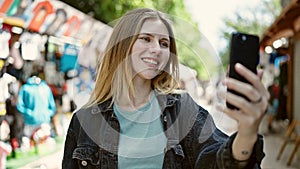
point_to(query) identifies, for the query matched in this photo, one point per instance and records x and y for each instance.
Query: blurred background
(56, 45)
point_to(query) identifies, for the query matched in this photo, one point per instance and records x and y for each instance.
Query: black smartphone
(244, 49)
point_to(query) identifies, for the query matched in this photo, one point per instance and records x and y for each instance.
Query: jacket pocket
(87, 157)
(178, 151)
(174, 158)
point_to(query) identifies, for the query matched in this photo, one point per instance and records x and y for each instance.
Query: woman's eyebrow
(144, 33)
(164, 37)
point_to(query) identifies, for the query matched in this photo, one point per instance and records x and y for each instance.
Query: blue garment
(36, 102)
(272, 108)
(68, 60)
(142, 138)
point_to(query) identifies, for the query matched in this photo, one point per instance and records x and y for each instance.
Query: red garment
(276, 90)
(41, 11)
(74, 24)
(5, 6)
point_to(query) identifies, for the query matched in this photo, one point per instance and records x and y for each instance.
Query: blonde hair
(115, 71)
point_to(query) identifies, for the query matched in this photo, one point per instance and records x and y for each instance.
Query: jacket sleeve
(21, 105)
(210, 147)
(225, 158)
(70, 145)
(51, 101)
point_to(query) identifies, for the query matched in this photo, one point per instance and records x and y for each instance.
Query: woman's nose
(155, 47)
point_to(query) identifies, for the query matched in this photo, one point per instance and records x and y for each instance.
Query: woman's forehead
(155, 27)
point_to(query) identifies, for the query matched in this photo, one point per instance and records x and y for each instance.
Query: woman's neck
(142, 95)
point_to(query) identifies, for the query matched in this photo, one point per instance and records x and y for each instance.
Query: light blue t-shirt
(142, 139)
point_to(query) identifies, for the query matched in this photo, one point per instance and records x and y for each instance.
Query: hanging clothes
(68, 60)
(36, 102)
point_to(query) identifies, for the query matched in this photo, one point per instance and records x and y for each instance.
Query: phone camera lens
(244, 38)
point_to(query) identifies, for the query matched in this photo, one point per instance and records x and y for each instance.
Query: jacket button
(94, 110)
(84, 163)
(165, 118)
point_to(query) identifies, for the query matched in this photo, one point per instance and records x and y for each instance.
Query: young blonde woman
(136, 118)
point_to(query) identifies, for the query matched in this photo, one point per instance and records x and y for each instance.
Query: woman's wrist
(242, 146)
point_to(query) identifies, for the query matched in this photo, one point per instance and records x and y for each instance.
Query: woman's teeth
(150, 61)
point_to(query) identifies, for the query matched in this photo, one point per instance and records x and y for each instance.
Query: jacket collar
(164, 100)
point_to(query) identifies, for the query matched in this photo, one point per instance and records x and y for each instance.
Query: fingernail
(238, 65)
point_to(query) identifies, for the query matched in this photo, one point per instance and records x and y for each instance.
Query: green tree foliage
(253, 20)
(109, 10)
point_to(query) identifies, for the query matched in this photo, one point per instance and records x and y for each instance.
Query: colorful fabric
(36, 102)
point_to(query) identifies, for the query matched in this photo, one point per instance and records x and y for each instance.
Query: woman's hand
(250, 113)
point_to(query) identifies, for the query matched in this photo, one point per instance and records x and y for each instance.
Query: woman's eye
(164, 44)
(147, 39)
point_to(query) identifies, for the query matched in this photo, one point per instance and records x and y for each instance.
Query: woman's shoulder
(183, 95)
(188, 102)
(82, 112)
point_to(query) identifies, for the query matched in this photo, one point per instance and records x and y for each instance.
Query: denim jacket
(193, 141)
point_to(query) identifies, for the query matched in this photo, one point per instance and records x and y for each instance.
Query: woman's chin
(148, 75)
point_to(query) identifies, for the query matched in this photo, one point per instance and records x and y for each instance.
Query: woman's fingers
(254, 79)
(260, 73)
(257, 96)
(248, 75)
(246, 107)
(243, 88)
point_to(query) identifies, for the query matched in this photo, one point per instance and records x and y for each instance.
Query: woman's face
(151, 51)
